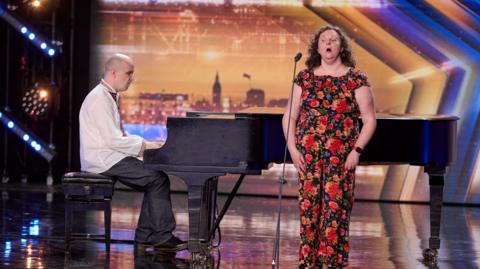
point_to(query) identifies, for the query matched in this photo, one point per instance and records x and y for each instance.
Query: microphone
(298, 57)
(276, 245)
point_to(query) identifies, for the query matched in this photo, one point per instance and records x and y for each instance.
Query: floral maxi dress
(326, 131)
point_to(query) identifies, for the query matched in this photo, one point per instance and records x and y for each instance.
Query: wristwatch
(359, 150)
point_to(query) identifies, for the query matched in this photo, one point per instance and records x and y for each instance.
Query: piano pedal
(430, 257)
(201, 261)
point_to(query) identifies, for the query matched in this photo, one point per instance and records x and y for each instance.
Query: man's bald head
(119, 71)
(117, 60)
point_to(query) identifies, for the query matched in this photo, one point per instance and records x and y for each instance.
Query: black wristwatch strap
(359, 150)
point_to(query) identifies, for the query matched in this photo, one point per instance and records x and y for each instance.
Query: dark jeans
(156, 221)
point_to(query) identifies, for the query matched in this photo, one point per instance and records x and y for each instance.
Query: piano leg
(232, 194)
(436, 182)
(202, 194)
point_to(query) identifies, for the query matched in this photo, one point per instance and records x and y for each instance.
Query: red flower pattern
(326, 131)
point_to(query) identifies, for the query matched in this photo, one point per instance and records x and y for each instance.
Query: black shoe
(172, 244)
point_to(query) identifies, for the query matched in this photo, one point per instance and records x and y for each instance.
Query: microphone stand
(276, 245)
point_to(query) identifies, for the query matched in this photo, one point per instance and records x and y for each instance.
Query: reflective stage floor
(383, 235)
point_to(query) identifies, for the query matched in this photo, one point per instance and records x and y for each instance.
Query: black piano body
(203, 146)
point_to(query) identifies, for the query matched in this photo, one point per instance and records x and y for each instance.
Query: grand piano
(203, 146)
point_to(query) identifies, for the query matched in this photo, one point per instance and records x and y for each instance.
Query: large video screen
(230, 55)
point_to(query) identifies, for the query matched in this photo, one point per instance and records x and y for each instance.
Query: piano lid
(274, 111)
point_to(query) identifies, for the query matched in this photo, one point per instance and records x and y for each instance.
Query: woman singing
(328, 99)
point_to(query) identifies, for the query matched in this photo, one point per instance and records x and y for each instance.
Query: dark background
(22, 63)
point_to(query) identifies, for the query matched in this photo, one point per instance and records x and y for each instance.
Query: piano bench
(87, 191)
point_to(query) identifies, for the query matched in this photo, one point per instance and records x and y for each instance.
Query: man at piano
(325, 143)
(107, 149)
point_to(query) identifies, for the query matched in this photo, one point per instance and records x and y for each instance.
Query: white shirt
(102, 143)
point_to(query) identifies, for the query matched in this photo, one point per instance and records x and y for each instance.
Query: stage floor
(383, 235)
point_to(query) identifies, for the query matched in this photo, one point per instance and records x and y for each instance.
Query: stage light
(211, 54)
(43, 94)
(34, 228)
(36, 3)
(48, 47)
(35, 143)
(36, 102)
(8, 249)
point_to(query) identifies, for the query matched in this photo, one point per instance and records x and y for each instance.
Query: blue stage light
(8, 249)
(34, 228)
(37, 144)
(36, 38)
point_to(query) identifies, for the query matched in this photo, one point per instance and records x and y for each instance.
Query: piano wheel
(430, 256)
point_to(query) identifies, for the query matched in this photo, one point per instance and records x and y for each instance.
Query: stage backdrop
(227, 55)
